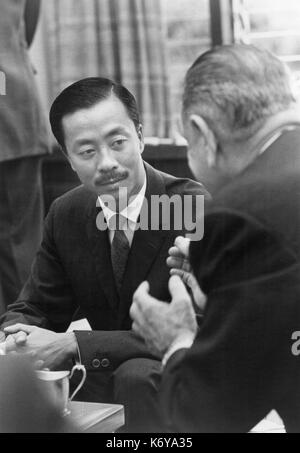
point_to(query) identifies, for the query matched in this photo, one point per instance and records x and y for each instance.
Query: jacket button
(105, 363)
(96, 363)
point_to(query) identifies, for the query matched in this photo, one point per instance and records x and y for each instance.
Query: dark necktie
(119, 253)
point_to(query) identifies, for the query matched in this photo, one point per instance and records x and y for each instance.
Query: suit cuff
(184, 342)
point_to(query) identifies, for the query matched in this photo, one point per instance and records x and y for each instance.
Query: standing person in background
(23, 141)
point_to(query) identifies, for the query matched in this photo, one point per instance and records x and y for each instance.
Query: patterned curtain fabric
(241, 22)
(119, 39)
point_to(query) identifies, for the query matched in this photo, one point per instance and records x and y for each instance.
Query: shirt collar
(275, 135)
(132, 211)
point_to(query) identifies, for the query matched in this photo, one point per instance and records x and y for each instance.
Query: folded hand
(48, 349)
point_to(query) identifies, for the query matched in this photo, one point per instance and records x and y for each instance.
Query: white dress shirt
(130, 213)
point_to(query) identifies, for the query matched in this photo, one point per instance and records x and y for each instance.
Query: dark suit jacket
(73, 272)
(241, 365)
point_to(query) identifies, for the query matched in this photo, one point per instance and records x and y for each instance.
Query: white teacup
(56, 385)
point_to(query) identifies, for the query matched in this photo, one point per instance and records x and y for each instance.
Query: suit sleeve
(241, 361)
(107, 350)
(46, 300)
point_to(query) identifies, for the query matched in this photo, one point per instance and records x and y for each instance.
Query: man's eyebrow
(115, 131)
(110, 133)
(83, 141)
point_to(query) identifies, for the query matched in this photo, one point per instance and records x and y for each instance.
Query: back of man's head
(236, 88)
(86, 93)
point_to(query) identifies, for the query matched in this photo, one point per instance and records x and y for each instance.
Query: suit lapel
(144, 250)
(100, 251)
(145, 246)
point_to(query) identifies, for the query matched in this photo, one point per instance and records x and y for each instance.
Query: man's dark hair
(85, 94)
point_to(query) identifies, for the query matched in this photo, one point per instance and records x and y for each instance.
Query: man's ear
(207, 138)
(140, 133)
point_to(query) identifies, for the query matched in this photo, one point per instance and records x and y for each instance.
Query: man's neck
(271, 126)
(244, 153)
(238, 156)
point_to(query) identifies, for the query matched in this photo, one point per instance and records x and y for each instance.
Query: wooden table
(96, 417)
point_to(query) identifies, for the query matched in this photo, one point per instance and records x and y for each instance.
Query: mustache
(111, 176)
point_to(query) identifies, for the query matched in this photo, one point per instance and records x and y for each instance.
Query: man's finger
(19, 327)
(199, 297)
(177, 289)
(179, 272)
(175, 252)
(143, 289)
(178, 262)
(20, 338)
(10, 340)
(10, 344)
(190, 280)
(174, 262)
(141, 295)
(183, 244)
(139, 307)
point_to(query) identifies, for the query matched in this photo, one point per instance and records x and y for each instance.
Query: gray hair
(235, 88)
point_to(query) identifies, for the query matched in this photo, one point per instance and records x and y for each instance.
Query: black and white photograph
(149, 219)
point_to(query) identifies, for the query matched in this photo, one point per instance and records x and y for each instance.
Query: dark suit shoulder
(78, 195)
(268, 192)
(75, 199)
(236, 248)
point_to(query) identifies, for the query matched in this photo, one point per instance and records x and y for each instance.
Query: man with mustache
(242, 122)
(93, 256)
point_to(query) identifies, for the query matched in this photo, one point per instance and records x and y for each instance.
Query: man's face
(105, 149)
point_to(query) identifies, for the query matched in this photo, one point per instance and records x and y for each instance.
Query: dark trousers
(21, 218)
(135, 385)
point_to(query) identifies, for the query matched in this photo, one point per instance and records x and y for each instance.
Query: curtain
(241, 22)
(120, 39)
